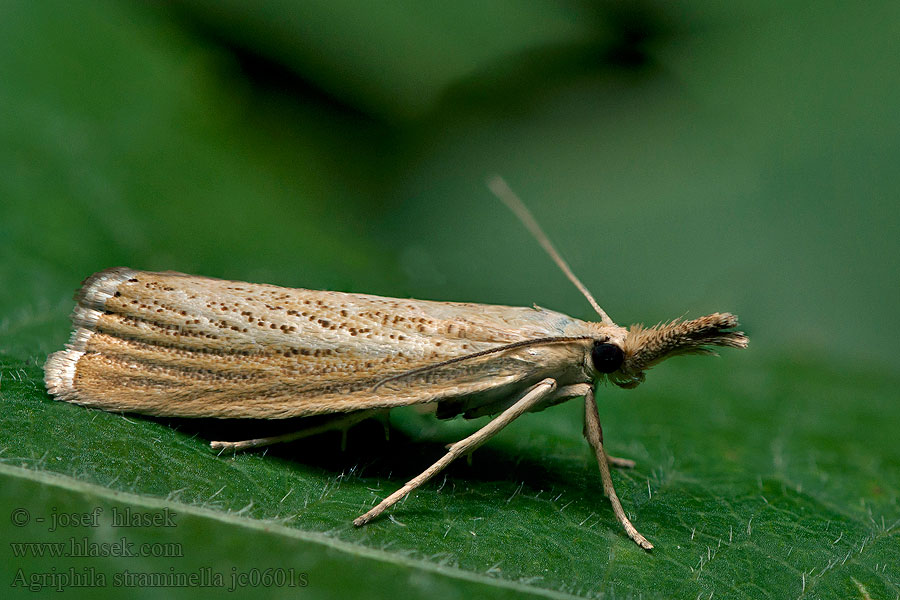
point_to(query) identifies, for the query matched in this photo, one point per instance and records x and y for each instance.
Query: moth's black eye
(607, 357)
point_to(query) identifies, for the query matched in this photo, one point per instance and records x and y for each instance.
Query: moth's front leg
(593, 433)
(583, 389)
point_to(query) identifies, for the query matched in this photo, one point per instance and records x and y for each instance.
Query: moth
(175, 345)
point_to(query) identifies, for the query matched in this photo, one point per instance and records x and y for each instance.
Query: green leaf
(130, 138)
(749, 479)
(90, 545)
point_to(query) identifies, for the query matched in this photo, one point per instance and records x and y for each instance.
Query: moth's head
(642, 347)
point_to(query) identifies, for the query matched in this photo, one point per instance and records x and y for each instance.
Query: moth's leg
(593, 434)
(534, 395)
(620, 463)
(343, 422)
(583, 389)
(570, 391)
(615, 461)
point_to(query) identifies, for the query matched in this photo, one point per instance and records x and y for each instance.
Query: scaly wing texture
(178, 345)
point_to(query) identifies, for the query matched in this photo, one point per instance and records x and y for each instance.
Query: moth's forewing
(178, 345)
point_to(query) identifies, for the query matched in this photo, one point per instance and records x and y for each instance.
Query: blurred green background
(686, 157)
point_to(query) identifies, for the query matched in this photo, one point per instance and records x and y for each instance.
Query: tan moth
(176, 345)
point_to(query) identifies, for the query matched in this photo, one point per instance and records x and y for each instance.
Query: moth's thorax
(596, 333)
(608, 332)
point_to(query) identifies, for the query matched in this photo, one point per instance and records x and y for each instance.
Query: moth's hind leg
(343, 422)
(535, 394)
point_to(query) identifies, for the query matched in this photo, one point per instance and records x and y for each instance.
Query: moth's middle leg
(535, 394)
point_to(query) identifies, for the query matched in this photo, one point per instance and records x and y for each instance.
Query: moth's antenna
(500, 189)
